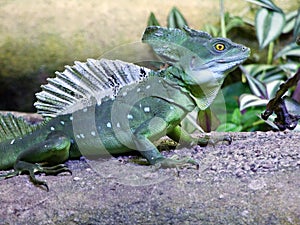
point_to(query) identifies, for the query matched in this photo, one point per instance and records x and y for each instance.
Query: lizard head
(203, 60)
(202, 51)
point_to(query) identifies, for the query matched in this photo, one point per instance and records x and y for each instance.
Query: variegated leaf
(269, 25)
(257, 87)
(297, 26)
(291, 50)
(266, 3)
(289, 21)
(248, 100)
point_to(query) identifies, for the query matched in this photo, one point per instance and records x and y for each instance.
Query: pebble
(76, 178)
(256, 184)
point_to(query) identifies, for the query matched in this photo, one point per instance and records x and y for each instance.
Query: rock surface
(255, 180)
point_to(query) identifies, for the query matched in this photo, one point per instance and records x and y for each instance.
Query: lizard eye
(219, 47)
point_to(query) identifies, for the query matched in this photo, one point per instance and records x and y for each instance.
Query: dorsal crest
(86, 83)
(12, 127)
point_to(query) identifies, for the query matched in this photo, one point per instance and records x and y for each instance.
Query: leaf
(207, 120)
(269, 25)
(273, 87)
(256, 69)
(176, 19)
(297, 26)
(212, 30)
(257, 87)
(271, 75)
(231, 97)
(152, 21)
(265, 73)
(266, 3)
(289, 21)
(269, 121)
(190, 123)
(290, 68)
(249, 100)
(292, 106)
(249, 118)
(236, 116)
(234, 22)
(291, 50)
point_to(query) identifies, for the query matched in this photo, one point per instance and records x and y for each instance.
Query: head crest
(196, 33)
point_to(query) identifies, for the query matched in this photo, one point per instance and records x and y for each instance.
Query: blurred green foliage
(247, 93)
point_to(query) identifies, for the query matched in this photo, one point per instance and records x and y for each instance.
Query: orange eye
(219, 47)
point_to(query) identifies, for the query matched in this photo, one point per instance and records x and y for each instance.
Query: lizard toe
(176, 163)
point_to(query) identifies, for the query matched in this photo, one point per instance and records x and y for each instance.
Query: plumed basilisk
(110, 106)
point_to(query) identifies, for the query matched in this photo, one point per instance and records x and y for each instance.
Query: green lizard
(111, 107)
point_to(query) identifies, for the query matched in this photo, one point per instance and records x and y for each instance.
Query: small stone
(256, 184)
(267, 165)
(246, 167)
(221, 196)
(239, 172)
(214, 167)
(245, 213)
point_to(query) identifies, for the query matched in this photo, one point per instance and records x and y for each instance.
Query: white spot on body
(118, 125)
(52, 128)
(78, 136)
(138, 90)
(93, 133)
(125, 93)
(12, 141)
(62, 122)
(82, 135)
(147, 109)
(148, 86)
(108, 125)
(129, 116)
(84, 110)
(71, 118)
(171, 107)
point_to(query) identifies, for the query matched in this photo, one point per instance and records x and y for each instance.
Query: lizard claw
(175, 163)
(32, 169)
(213, 140)
(53, 170)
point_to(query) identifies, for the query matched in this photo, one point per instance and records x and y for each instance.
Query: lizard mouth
(233, 61)
(245, 53)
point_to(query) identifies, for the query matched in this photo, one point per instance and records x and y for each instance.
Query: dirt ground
(255, 180)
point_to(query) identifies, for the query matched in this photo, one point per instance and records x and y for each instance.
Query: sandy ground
(255, 180)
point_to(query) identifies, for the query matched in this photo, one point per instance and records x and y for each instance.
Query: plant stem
(258, 123)
(223, 26)
(270, 53)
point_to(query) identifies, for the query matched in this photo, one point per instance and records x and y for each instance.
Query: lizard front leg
(148, 150)
(52, 151)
